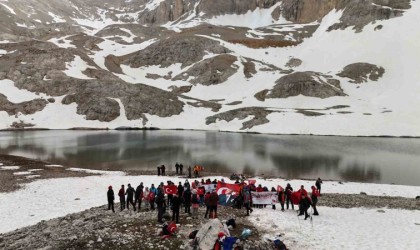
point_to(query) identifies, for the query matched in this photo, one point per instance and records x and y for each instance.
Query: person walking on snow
(130, 197)
(111, 198)
(314, 197)
(304, 205)
(289, 191)
(318, 185)
(163, 170)
(121, 194)
(158, 170)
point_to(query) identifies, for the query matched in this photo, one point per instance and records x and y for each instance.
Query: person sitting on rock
(121, 194)
(111, 198)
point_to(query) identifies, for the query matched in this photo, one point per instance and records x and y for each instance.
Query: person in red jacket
(314, 197)
(206, 202)
(213, 200)
(303, 191)
(121, 194)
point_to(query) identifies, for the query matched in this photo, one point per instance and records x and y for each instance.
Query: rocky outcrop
(178, 49)
(258, 114)
(362, 72)
(25, 108)
(94, 107)
(210, 71)
(306, 83)
(356, 14)
(293, 63)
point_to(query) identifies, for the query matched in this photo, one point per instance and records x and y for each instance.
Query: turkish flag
(279, 188)
(171, 189)
(252, 182)
(223, 188)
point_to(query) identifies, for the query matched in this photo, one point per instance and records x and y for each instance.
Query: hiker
(160, 202)
(130, 196)
(195, 201)
(318, 185)
(304, 205)
(163, 170)
(111, 198)
(289, 191)
(151, 197)
(303, 191)
(213, 199)
(247, 200)
(177, 167)
(275, 191)
(281, 198)
(314, 197)
(170, 183)
(139, 195)
(176, 203)
(180, 168)
(186, 184)
(206, 202)
(121, 194)
(187, 200)
(189, 171)
(201, 191)
(180, 189)
(158, 170)
(146, 197)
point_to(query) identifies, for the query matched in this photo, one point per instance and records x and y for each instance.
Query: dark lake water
(379, 160)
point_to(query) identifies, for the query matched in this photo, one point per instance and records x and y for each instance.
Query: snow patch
(9, 167)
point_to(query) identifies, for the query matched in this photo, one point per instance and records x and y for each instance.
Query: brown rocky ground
(12, 182)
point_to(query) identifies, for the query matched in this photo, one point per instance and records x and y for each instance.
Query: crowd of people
(193, 195)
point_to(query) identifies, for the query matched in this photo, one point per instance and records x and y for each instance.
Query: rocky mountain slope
(333, 67)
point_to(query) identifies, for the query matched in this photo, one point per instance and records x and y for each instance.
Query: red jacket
(121, 193)
(259, 189)
(304, 192)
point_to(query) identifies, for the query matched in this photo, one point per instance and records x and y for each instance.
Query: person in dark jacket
(189, 171)
(160, 203)
(247, 200)
(176, 203)
(274, 204)
(180, 168)
(206, 202)
(177, 167)
(121, 194)
(130, 197)
(139, 195)
(162, 168)
(180, 190)
(187, 200)
(289, 191)
(314, 198)
(304, 205)
(111, 198)
(318, 185)
(158, 170)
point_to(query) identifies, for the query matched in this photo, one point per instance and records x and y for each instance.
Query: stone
(362, 72)
(363, 193)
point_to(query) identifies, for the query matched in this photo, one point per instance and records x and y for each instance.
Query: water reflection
(349, 159)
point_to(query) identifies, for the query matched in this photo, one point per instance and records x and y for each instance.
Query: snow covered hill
(294, 66)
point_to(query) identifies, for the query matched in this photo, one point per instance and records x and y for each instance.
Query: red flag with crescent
(171, 189)
(280, 188)
(252, 182)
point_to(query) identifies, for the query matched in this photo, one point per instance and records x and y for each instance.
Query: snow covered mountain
(333, 67)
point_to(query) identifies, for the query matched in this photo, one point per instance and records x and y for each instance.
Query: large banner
(227, 193)
(209, 187)
(264, 198)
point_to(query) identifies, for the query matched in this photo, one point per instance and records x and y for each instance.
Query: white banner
(209, 187)
(264, 198)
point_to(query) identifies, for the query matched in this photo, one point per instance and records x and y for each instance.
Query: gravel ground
(98, 228)
(11, 180)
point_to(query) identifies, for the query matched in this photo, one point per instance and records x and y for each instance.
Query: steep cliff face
(357, 13)
(206, 64)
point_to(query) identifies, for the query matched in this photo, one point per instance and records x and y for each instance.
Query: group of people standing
(161, 170)
(194, 196)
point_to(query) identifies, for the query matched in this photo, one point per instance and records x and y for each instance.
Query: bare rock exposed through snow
(361, 72)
